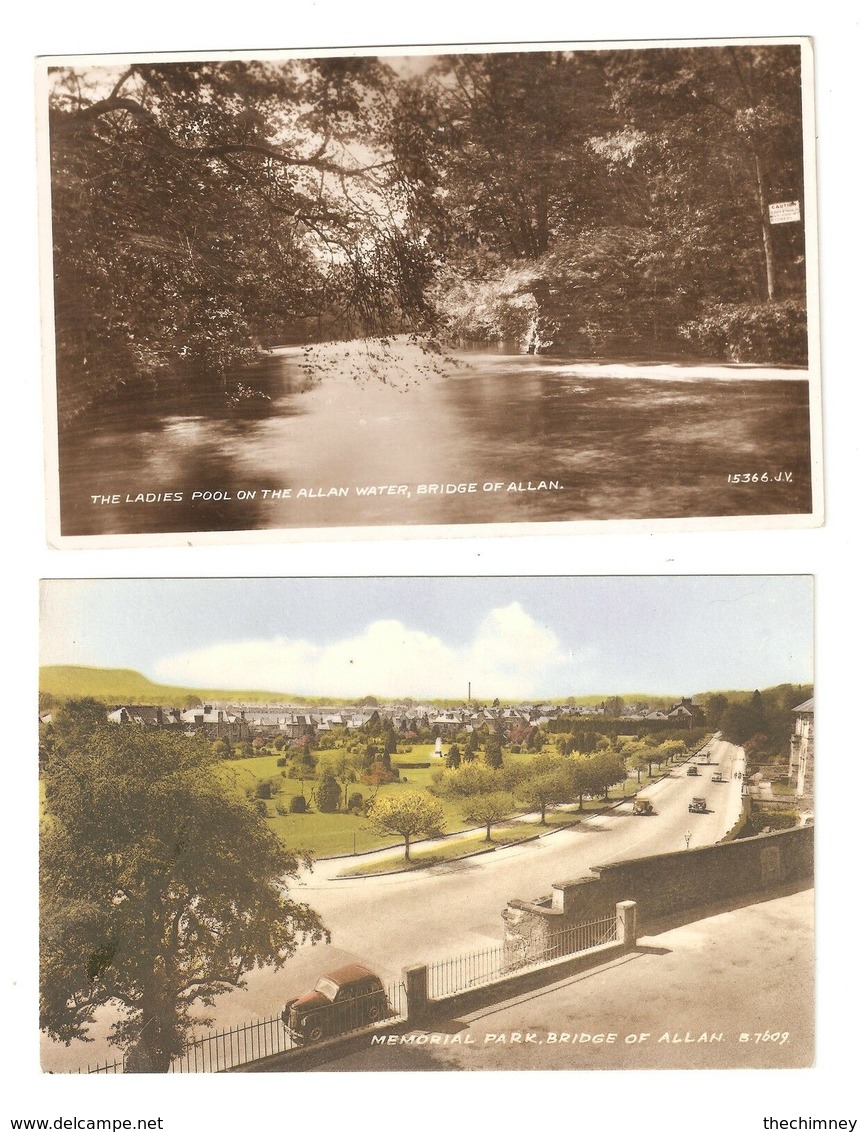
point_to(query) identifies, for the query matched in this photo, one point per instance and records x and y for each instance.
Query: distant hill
(126, 686)
(774, 695)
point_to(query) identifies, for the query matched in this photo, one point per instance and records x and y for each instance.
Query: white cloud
(511, 655)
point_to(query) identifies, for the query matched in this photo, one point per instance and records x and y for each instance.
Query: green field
(331, 835)
(342, 834)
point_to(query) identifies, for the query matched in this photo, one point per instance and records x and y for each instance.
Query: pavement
(734, 990)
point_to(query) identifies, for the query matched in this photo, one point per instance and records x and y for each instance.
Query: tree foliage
(544, 781)
(408, 815)
(486, 809)
(159, 889)
(199, 207)
(596, 201)
(618, 200)
(327, 794)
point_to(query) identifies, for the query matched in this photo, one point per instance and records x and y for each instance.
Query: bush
(263, 789)
(356, 803)
(759, 333)
(327, 794)
(297, 804)
(282, 760)
(761, 819)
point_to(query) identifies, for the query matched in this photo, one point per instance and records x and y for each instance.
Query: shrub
(761, 333)
(327, 794)
(356, 803)
(282, 760)
(297, 804)
(263, 789)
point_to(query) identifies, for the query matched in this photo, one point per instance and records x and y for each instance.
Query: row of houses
(239, 722)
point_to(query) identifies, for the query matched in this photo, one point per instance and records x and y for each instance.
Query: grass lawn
(332, 835)
(454, 848)
(342, 834)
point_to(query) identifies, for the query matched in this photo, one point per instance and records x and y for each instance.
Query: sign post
(784, 212)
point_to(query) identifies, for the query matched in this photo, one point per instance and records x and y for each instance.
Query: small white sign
(784, 212)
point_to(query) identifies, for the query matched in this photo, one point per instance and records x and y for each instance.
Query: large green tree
(159, 889)
(408, 815)
(543, 781)
(480, 791)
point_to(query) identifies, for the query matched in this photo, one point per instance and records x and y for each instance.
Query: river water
(496, 438)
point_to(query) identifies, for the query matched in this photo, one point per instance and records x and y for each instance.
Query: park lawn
(452, 849)
(332, 835)
(342, 834)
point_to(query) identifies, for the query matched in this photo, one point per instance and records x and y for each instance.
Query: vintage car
(693, 771)
(642, 806)
(697, 806)
(347, 999)
(717, 777)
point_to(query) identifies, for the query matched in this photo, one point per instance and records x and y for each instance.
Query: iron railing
(264, 1037)
(240, 1045)
(474, 969)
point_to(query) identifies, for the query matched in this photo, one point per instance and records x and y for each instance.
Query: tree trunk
(768, 250)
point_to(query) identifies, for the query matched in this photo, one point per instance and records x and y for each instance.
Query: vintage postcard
(379, 824)
(413, 291)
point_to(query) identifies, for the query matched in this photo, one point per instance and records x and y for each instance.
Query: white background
(650, 1100)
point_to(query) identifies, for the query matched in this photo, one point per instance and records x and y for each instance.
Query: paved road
(391, 922)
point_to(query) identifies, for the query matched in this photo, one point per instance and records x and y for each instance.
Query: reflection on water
(577, 441)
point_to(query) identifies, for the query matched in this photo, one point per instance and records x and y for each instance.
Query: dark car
(697, 806)
(693, 771)
(344, 1000)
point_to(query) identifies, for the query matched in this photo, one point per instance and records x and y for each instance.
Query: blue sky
(509, 637)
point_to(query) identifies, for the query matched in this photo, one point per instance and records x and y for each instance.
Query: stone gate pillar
(416, 988)
(625, 919)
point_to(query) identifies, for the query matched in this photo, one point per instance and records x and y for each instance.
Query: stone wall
(667, 884)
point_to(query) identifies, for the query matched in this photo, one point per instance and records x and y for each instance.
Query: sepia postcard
(442, 291)
(448, 824)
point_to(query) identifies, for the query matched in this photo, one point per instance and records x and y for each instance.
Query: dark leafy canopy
(614, 201)
(199, 208)
(159, 889)
(597, 201)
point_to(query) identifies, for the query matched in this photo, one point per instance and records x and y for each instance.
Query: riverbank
(406, 359)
